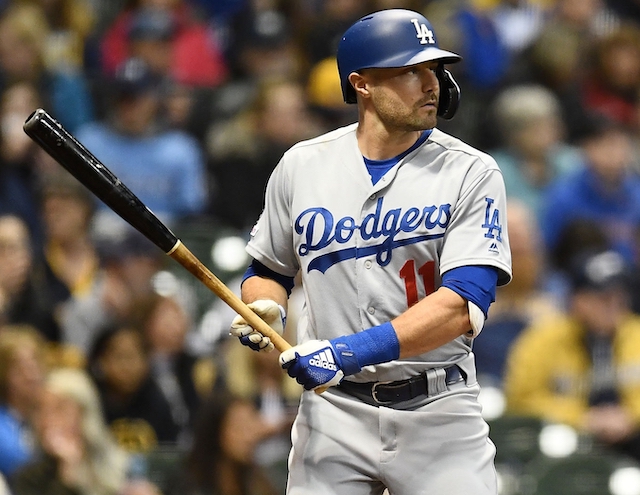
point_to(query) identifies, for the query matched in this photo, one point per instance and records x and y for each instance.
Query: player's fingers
(257, 342)
(266, 309)
(287, 358)
(264, 343)
(239, 327)
(251, 345)
(271, 312)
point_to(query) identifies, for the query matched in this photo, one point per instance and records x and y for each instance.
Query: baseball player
(399, 233)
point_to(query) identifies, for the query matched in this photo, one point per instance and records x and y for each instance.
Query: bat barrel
(84, 166)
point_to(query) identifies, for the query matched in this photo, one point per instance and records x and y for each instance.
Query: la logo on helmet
(424, 33)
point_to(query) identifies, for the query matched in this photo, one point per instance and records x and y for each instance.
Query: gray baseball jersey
(368, 252)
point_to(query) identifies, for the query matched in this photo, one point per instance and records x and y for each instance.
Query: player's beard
(397, 115)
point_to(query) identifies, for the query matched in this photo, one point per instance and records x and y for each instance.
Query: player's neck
(380, 144)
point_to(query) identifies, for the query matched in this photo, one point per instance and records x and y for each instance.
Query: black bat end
(49, 134)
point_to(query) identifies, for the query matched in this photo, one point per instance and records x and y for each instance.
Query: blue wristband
(375, 345)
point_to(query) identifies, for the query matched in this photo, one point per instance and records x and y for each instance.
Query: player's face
(406, 98)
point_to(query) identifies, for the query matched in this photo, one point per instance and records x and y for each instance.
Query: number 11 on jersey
(410, 276)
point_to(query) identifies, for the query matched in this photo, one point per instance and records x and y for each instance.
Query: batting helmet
(395, 38)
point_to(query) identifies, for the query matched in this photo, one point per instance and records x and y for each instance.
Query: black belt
(385, 393)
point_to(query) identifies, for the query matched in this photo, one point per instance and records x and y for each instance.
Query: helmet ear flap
(349, 93)
(449, 94)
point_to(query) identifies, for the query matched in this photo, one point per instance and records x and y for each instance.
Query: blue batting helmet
(394, 38)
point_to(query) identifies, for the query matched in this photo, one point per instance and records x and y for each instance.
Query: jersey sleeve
(477, 233)
(272, 236)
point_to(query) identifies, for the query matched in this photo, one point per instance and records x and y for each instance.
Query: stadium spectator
(164, 168)
(262, 46)
(67, 211)
(24, 33)
(183, 377)
(518, 22)
(612, 85)
(134, 406)
(18, 178)
(578, 235)
(220, 461)
(69, 23)
(573, 368)
(25, 297)
(533, 152)
(321, 34)
(557, 58)
(245, 91)
(324, 95)
(470, 31)
(244, 150)
(22, 372)
(78, 453)
(605, 189)
(124, 285)
(195, 58)
(258, 378)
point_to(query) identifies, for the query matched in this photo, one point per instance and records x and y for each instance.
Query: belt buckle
(374, 393)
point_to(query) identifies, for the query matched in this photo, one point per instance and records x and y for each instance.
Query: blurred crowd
(117, 379)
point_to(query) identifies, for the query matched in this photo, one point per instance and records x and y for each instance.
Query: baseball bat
(95, 176)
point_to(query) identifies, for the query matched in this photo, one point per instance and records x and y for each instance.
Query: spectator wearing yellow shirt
(582, 367)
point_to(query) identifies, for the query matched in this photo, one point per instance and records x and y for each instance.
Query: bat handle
(188, 260)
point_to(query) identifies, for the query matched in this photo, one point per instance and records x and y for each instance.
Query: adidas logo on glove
(323, 360)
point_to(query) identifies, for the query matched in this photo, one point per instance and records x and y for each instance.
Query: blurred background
(117, 376)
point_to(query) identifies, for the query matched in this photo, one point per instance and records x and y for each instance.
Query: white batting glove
(272, 313)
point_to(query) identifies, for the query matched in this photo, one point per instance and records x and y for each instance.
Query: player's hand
(318, 363)
(272, 313)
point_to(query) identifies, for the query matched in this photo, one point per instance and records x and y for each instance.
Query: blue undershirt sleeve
(258, 269)
(475, 283)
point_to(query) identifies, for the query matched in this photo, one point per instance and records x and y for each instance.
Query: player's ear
(359, 83)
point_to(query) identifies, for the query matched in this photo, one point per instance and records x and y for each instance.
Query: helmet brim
(409, 58)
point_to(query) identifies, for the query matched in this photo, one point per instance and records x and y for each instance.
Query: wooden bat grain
(188, 260)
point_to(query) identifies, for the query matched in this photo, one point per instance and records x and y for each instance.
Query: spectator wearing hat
(322, 32)
(193, 53)
(263, 44)
(579, 367)
(163, 167)
(262, 47)
(151, 37)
